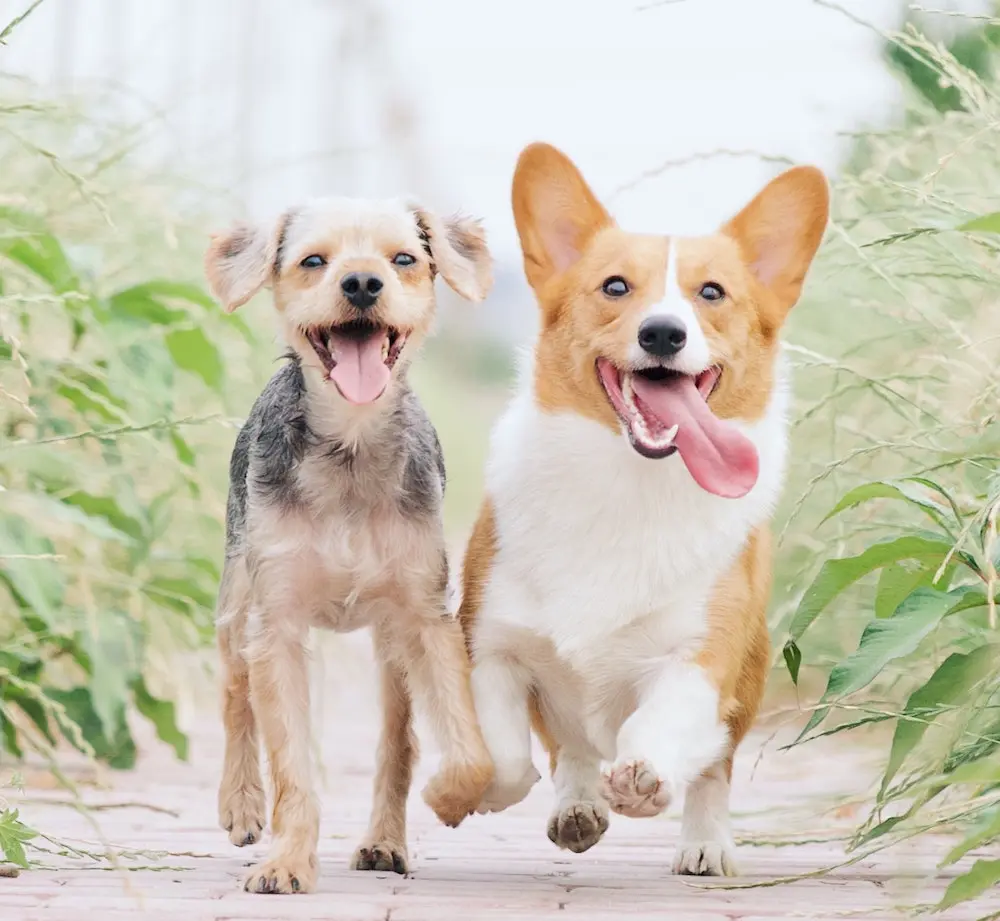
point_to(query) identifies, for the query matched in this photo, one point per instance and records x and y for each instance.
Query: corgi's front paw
(633, 787)
(705, 858)
(577, 827)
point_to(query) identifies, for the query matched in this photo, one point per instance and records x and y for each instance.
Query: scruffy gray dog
(334, 520)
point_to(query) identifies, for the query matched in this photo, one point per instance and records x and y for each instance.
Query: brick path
(493, 867)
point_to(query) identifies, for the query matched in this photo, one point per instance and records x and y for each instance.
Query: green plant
(900, 336)
(116, 387)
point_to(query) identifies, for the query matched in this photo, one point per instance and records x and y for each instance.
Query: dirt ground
(791, 810)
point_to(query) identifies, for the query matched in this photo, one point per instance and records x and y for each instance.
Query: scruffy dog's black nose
(662, 336)
(361, 289)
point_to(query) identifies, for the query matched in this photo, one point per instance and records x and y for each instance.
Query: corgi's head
(664, 339)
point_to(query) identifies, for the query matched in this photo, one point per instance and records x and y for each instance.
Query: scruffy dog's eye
(710, 291)
(403, 259)
(616, 286)
(312, 262)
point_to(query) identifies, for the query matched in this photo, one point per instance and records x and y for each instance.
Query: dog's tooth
(672, 434)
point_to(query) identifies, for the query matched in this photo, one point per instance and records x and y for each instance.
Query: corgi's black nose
(662, 336)
(361, 289)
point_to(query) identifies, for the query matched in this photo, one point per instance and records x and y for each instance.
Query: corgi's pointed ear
(458, 247)
(243, 260)
(555, 211)
(781, 229)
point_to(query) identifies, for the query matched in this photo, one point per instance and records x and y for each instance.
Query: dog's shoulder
(424, 473)
(275, 435)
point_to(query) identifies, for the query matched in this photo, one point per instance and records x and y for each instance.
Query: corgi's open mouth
(358, 357)
(665, 411)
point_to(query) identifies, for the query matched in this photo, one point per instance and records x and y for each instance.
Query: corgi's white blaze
(694, 357)
(597, 596)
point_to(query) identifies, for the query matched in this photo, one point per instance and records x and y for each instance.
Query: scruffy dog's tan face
(353, 283)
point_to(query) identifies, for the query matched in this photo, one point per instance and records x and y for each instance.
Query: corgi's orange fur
(616, 582)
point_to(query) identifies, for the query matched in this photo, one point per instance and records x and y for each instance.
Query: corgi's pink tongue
(722, 460)
(360, 374)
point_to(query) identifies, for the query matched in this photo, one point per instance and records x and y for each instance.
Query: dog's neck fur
(358, 429)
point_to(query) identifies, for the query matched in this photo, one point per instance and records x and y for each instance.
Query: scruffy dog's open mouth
(358, 357)
(665, 411)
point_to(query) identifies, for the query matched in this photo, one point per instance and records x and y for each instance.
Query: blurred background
(129, 129)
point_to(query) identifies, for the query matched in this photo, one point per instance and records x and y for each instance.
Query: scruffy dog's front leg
(384, 845)
(439, 667)
(242, 806)
(279, 687)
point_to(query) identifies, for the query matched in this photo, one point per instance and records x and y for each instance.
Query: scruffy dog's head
(353, 284)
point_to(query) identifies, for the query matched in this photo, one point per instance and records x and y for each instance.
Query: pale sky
(295, 93)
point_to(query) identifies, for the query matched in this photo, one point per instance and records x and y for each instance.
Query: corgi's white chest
(593, 538)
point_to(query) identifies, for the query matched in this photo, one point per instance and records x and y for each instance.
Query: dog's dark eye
(710, 291)
(312, 262)
(403, 259)
(615, 286)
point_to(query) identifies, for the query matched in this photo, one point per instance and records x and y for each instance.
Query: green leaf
(38, 583)
(793, 660)
(162, 288)
(191, 351)
(182, 449)
(898, 581)
(70, 514)
(137, 306)
(985, 223)
(976, 772)
(950, 683)
(119, 750)
(108, 509)
(183, 595)
(10, 742)
(161, 713)
(985, 832)
(27, 670)
(13, 834)
(837, 575)
(913, 490)
(882, 642)
(90, 395)
(983, 875)
(38, 251)
(111, 644)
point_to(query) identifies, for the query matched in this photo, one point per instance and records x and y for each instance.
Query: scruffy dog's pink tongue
(360, 373)
(720, 458)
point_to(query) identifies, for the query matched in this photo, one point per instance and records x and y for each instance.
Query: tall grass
(887, 591)
(119, 381)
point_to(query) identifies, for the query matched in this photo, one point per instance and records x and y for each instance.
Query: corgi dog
(616, 580)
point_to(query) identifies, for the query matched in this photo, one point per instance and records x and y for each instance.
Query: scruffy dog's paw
(510, 785)
(705, 858)
(381, 856)
(284, 875)
(577, 827)
(242, 813)
(456, 789)
(633, 788)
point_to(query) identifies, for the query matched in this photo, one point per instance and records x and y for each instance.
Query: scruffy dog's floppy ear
(458, 247)
(242, 260)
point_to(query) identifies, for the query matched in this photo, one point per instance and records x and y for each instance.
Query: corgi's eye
(312, 262)
(710, 291)
(403, 259)
(615, 286)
